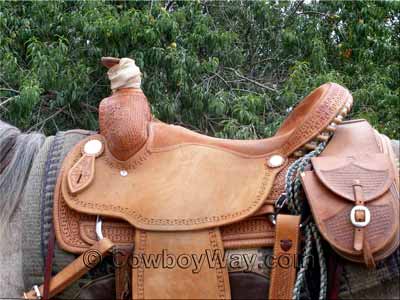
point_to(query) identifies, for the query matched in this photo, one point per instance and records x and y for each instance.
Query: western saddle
(146, 187)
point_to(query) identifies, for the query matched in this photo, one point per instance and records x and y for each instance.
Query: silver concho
(93, 147)
(275, 161)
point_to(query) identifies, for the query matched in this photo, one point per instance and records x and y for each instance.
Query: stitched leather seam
(219, 271)
(141, 249)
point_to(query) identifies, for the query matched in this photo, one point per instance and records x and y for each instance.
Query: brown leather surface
(287, 241)
(180, 281)
(100, 288)
(82, 174)
(76, 232)
(248, 286)
(172, 187)
(372, 169)
(355, 153)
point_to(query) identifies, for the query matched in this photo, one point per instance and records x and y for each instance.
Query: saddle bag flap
(333, 189)
(373, 172)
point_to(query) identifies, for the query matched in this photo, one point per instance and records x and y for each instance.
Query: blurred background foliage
(228, 69)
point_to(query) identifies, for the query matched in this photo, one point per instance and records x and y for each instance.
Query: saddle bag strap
(283, 273)
(75, 270)
(359, 216)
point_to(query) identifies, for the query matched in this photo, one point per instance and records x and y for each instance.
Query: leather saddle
(157, 187)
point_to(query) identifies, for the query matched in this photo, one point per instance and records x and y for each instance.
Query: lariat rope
(295, 201)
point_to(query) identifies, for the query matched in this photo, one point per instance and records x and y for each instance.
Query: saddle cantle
(161, 186)
(353, 194)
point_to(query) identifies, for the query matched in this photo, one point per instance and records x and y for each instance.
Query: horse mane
(17, 152)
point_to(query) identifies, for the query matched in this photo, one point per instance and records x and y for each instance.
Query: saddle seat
(126, 114)
(313, 119)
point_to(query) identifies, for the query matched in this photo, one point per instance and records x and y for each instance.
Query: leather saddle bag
(353, 194)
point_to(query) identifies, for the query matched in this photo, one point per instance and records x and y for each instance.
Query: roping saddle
(150, 187)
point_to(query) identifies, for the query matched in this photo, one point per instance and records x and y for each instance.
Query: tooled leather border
(321, 117)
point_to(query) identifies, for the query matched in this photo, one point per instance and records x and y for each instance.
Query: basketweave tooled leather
(180, 189)
(356, 152)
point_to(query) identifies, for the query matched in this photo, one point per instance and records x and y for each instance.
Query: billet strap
(73, 271)
(123, 271)
(283, 273)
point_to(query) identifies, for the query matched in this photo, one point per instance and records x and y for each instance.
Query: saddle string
(295, 200)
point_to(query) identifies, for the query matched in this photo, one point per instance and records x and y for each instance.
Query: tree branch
(253, 81)
(9, 90)
(6, 101)
(47, 119)
(315, 13)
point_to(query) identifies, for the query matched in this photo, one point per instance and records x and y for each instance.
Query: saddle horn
(124, 116)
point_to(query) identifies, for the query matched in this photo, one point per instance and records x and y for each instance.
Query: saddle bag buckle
(367, 216)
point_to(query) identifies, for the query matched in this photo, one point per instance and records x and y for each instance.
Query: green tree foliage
(229, 69)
